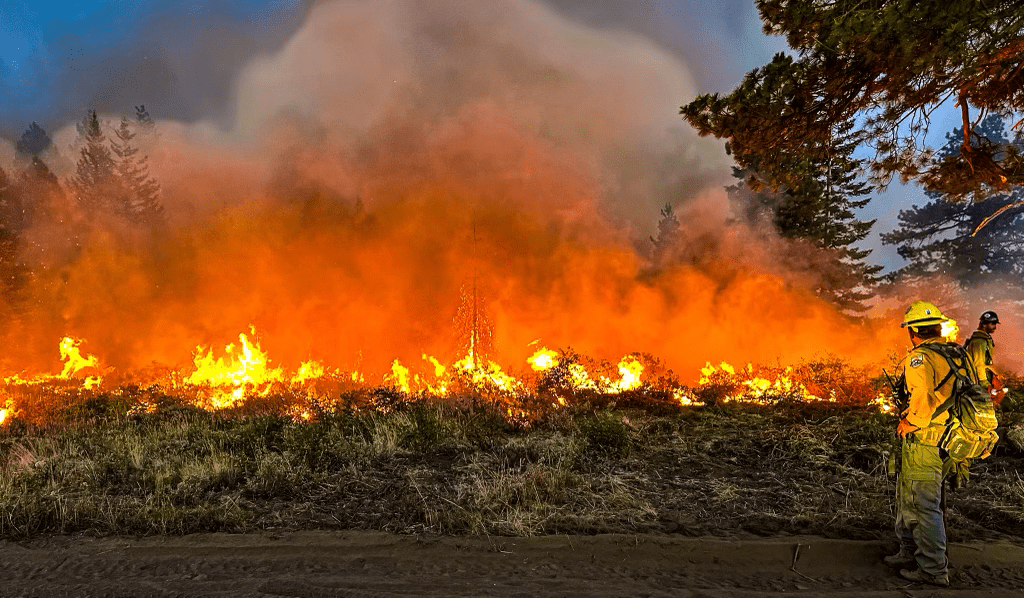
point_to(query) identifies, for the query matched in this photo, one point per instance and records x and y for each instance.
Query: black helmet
(989, 317)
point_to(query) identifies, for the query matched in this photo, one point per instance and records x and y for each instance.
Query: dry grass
(467, 469)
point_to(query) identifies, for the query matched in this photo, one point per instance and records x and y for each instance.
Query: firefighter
(981, 347)
(920, 493)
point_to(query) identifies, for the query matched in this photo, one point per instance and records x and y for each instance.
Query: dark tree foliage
(34, 141)
(145, 129)
(141, 191)
(10, 208)
(37, 187)
(888, 64)
(667, 237)
(143, 118)
(936, 238)
(820, 206)
(95, 184)
(12, 224)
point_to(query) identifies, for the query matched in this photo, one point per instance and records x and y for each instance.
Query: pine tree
(37, 187)
(887, 64)
(668, 235)
(142, 192)
(10, 232)
(819, 206)
(143, 118)
(34, 141)
(145, 129)
(96, 185)
(936, 239)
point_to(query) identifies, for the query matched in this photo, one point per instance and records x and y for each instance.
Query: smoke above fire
(397, 163)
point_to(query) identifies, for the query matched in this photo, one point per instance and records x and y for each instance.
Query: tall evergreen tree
(887, 64)
(145, 129)
(937, 239)
(38, 189)
(819, 205)
(96, 185)
(34, 141)
(143, 118)
(141, 191)
(668, 235)
(11, 223)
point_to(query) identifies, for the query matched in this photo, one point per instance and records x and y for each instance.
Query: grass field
(639, 464)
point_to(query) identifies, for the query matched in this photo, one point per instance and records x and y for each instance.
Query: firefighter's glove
(957, 471)
(905, 429)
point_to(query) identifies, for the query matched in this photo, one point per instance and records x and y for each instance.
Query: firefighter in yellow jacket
(981, 347)
(920, 501)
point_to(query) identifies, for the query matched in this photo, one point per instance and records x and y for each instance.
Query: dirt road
(365, 565)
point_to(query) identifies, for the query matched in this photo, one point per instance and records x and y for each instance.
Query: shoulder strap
(965, 378)
(949, 360)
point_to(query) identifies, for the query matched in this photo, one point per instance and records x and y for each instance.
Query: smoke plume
(394, 156)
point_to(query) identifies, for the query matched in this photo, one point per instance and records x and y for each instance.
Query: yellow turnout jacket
(923, 371)
(981, 347)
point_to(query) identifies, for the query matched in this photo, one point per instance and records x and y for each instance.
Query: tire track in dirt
(376, 565)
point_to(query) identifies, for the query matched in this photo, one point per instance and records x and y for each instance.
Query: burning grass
(108, 463)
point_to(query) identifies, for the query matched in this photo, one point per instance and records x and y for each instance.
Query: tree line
(110, 184)
(816, 131)
(939, 240)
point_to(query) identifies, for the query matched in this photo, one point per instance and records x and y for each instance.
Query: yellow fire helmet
(922, 313)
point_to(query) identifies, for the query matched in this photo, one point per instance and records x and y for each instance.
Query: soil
(372, 564)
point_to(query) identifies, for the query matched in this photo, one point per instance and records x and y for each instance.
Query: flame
(630, 369)
(440, 385)
(580, 378)
(439, 368)
(883, 402)
(488, 375)
(72, 358)
(299, 413)
(684, 399)
(751, 387)
(232, 375)
(950, 331)
(709, 370)
(243, 371)
(544, 359)
(309, 370)
(399, 377)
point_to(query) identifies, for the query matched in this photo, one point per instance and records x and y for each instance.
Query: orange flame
(950, 330)
(544, 359)
(232, 375)
(243, 371)
(630, 369)
(753, 388)
(73, 359)
(399, 377)
(309, 370)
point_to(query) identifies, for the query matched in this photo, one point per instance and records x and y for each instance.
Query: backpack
(971, 428)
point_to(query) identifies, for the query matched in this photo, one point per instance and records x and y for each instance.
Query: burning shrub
(833, 379)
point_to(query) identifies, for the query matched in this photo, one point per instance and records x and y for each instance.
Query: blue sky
(179, 57)
(60, 56)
